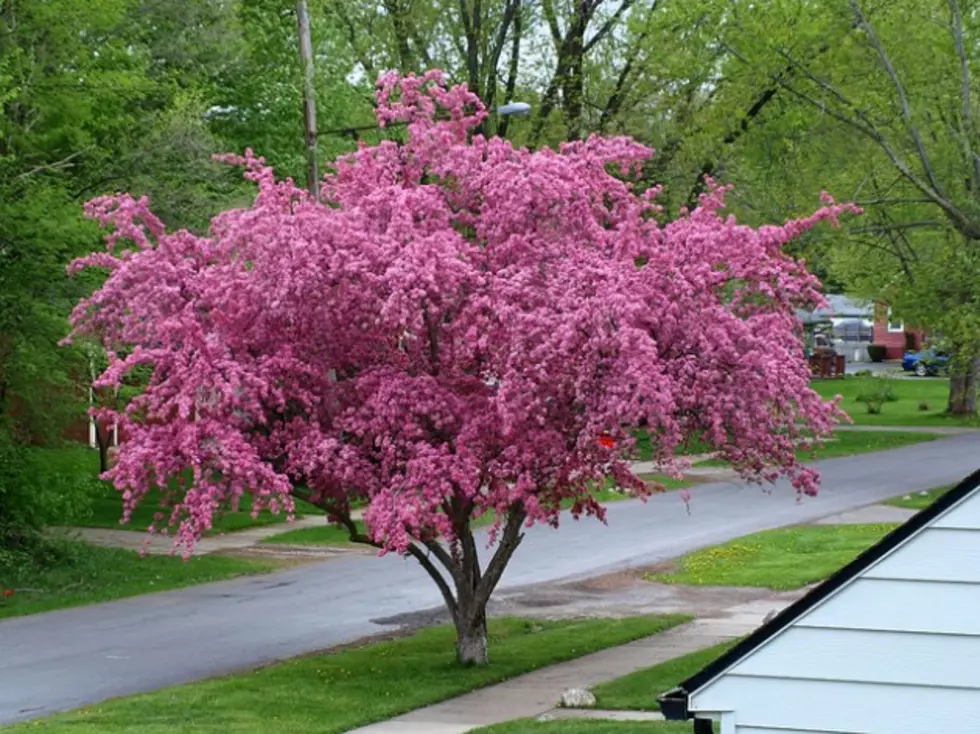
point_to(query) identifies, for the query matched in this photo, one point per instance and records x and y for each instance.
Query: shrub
(35, 492)
(923, 406)
(878, 392)
(877, 352)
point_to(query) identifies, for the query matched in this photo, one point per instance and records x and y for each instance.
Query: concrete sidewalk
(163, 544)
(538, 693)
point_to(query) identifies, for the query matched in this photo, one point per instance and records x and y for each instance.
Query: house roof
(674, 703)
(840, 307)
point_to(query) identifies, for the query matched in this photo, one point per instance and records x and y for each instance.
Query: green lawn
(844, 443)
(852, 443)
(72, 573)
(644, 450)
(337, 692)
(585, 726)
(918, 501)
(107, 512)
(325, 535)
(106, 503)
(333, 535)
(786, 558)
(904, 411)
(639, 691)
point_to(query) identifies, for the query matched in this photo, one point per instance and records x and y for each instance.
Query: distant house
(888, 645)
(891, 333)
(851, 320)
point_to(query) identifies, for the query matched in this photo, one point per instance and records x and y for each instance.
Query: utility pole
(309, 101)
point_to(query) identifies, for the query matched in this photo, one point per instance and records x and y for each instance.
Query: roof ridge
(674, 703)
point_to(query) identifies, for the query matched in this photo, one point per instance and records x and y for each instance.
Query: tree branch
(615, 101)
(926, 223)
(352, 39)
(889, 202)
(965, 92)
(509, 540)
(472, 48)
(607, 26)
(442, 555)
(400, 27)
(433, 331)
(447, 593)
(515, 52)
(490, 93)
(56, 166)
(963, 224)
(904, 106)
(549, 13)
(547, 103)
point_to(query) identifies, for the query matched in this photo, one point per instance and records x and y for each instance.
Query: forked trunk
(465, 587)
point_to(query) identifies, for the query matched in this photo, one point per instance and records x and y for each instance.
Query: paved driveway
(65, 659)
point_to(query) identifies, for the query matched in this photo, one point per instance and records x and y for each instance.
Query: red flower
(7, 593)
(607, 441)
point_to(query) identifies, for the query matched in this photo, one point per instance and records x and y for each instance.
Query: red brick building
(892, 334)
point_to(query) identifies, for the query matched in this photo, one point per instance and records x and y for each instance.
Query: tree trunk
(574, 83)
(465, 588)
(102, 438)
(471, 638)
(515, 55)
(963, 390)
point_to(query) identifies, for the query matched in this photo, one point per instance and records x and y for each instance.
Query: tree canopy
(463, 327)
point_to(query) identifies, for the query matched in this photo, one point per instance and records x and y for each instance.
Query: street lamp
(518, 109)
(511, 109)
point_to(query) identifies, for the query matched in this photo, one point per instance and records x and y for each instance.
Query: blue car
(926, 363)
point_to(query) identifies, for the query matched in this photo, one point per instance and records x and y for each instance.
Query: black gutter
(674, 703)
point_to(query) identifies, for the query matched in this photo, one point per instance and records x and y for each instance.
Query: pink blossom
(685, 497)
(448, 333)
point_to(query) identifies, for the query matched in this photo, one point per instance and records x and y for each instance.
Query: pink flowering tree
(461, 329)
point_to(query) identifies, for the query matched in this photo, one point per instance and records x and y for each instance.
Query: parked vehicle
(926, 363)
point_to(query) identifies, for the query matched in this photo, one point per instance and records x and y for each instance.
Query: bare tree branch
(509, 540)
(56, 166)
(905, 108)
(926, 223)
(447, 593)
(365, 61)
(399, 24)
(549, 13)
(876, 244)
(515, 54)
(860, 122)
(510, 13)
(547, 103)
(472, 47)
(445, 558)
(608, 25)
(615, 102)
(965, 92)
(891, 202)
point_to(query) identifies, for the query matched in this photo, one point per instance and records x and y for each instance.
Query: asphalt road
(65, 659)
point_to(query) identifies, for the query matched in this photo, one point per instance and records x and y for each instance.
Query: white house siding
(848, 708)
(895, 651)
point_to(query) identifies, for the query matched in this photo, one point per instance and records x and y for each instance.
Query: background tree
(109, 95)
(461, 330)
(845, 95)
